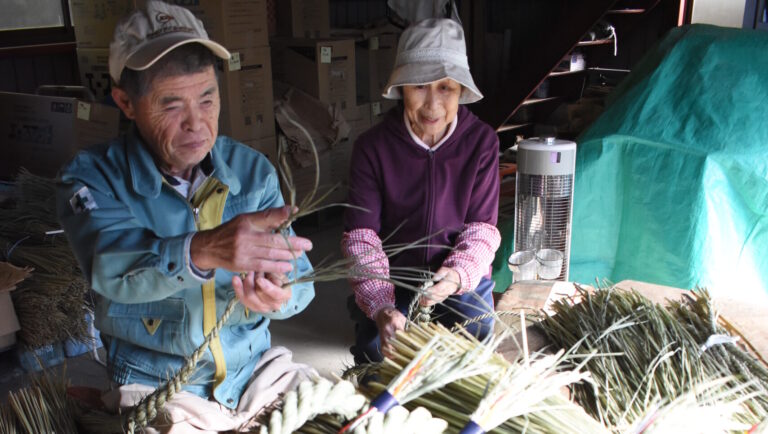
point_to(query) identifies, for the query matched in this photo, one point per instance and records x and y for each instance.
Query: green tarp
(672, 180)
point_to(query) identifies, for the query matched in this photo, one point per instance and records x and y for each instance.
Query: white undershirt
(421, 143)
(186, 188)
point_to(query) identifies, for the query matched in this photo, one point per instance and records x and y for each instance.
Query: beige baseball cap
(146, 35)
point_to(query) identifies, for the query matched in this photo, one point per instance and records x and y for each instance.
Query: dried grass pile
(50, 304)
(654, 354)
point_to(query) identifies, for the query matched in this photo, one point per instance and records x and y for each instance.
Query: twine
(416, 312)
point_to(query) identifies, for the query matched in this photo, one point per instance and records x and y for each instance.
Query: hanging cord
(615, 37)
(10, 250)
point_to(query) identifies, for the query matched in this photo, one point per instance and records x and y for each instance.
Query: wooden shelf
(595, 42)
(614, 70)
(511, 127)
(561, 73)
(625, 11)
(532, 101)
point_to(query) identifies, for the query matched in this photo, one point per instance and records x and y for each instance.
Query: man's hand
(389, 320)
(246, 243)
(447, 283)
(261, 293)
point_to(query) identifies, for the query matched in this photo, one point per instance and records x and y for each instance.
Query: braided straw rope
(322, 397)
(417, 313)
(146, 410)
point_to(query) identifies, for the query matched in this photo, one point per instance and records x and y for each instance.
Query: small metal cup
(550, 263)
(523, 265)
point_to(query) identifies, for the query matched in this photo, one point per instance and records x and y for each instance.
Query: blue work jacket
(128, 228)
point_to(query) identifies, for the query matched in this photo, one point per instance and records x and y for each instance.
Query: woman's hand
(447, 282)
(389, 320)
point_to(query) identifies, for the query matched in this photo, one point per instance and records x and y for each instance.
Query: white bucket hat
(144, 36)
(432, 50)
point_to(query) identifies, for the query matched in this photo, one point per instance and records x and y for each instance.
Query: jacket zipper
(430, 200)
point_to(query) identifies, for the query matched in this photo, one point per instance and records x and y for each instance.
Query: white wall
(726, 13)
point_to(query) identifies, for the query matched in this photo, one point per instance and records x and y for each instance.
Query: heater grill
(544, 197)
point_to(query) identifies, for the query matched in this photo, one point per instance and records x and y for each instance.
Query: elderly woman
(430, 169)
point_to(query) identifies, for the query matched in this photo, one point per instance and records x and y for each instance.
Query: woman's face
(431, 108)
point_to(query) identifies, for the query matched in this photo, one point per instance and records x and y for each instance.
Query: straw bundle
(51, 303)
(320, 406)
(659, 355)
(712, 407)
(40, 408)
(549, 412)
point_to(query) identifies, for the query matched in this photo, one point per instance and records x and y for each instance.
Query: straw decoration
(438, 363)
(711, 407)
(660, 354)
(310, 399)
(521, 388)
(336, 403)
(456, 400)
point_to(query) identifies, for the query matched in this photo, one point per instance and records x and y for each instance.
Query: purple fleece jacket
(400, 182)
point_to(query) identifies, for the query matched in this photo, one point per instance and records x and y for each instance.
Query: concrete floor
(320, 336)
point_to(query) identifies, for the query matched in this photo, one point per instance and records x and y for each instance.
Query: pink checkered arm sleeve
(364, 247)
(473, 254)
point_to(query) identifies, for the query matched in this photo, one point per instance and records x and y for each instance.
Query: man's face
(178, 119)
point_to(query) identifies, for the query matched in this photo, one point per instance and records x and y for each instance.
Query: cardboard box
(375, 59)
(304, 177)
(267, 146)
(43, 132)
(303, 18)
(10, 276)
(9, 323)
(236, 24)
(357, 112)
(323, 68)
(334, 168)
(38, 359)
(246, 96)
(379, 109)
(95, 20)
(93, 64)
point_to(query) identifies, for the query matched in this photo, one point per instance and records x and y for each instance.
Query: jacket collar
(147, 179)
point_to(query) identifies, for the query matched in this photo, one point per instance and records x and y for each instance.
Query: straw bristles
(50, 304)
(456, 400)
(441, 361)
(711, 407)
(658, 354)
(521, 388)
(40, 408)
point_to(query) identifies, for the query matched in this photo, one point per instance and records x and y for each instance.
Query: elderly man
(166, 220)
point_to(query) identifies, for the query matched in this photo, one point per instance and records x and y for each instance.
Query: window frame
(20, 38)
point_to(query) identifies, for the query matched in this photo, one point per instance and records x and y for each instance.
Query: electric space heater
(544, 199)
